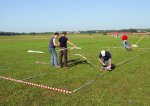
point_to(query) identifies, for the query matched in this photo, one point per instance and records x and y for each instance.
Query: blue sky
(70, 15)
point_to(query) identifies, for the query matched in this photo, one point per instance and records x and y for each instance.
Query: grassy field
(128, 84)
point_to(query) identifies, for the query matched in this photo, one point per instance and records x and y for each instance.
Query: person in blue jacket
(52, 46)
(104, 57)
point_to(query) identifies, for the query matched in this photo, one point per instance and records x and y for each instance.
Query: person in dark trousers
(52, 46)
(63, 40)
(105, 56)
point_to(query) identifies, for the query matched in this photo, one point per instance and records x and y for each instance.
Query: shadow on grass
(75, 62)
(113, 66)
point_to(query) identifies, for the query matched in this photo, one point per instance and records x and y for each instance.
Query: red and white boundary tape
(37, 85)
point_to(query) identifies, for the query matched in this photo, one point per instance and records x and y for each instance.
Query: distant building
(77, 32)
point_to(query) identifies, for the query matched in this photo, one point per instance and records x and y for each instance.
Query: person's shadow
(75, 62)
(113, 66)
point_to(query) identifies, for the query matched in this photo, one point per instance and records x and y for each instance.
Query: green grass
(128, 84)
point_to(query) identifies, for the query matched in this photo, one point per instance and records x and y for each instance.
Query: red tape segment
(37, 85)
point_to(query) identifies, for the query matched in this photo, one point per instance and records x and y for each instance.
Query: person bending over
(105, 59)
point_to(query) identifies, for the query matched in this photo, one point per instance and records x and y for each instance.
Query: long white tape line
(34, 76)
(121, 48)
(86, 84)
(36, 85)
(70, 48)
(83, 86)
(144, 48)
(74, 48)
(86, 59)
(113, 47)
(38, 62)
(140, 39)
(129, 59)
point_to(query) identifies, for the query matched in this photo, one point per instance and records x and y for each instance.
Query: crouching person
(105, 60)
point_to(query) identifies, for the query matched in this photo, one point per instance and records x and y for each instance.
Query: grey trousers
(63, 53)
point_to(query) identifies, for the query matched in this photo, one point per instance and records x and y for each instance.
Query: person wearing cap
(63, 40)
(105, 56)
(125, 38)
(52, 46)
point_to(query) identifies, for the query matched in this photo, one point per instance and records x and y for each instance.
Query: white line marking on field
(112, 47)
(129, 59)
(34, 76)
(38, 62)
(135, 45)
(85, 59)
(140, 39)
(87, 83)
(69, 48)
(144, 48)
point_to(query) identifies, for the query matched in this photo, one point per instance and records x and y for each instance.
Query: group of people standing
(104, 56)
(62, 44)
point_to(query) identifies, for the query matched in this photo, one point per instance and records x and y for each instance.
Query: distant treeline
(23, 33)
(85, 32)
(122, 30)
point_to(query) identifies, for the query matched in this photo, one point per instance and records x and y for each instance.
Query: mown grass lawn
(128, 84)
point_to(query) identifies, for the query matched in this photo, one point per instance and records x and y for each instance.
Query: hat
(103, 53)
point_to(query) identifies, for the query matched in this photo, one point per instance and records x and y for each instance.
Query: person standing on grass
(105, 56)
(125, 38)
(52, 46)
(63, 40)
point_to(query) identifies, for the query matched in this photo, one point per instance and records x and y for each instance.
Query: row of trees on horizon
(85, 32)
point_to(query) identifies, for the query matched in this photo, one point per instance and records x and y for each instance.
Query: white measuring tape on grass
(32, 51)
(112, 47)
(38, 62)
(69, 48)
(85, 59)
(135, 45)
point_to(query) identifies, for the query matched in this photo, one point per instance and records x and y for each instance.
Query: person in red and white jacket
(125, 38)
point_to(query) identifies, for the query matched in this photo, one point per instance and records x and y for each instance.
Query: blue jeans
(125, 43)
(54, 61)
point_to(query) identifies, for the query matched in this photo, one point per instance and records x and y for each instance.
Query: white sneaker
(109, 69)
